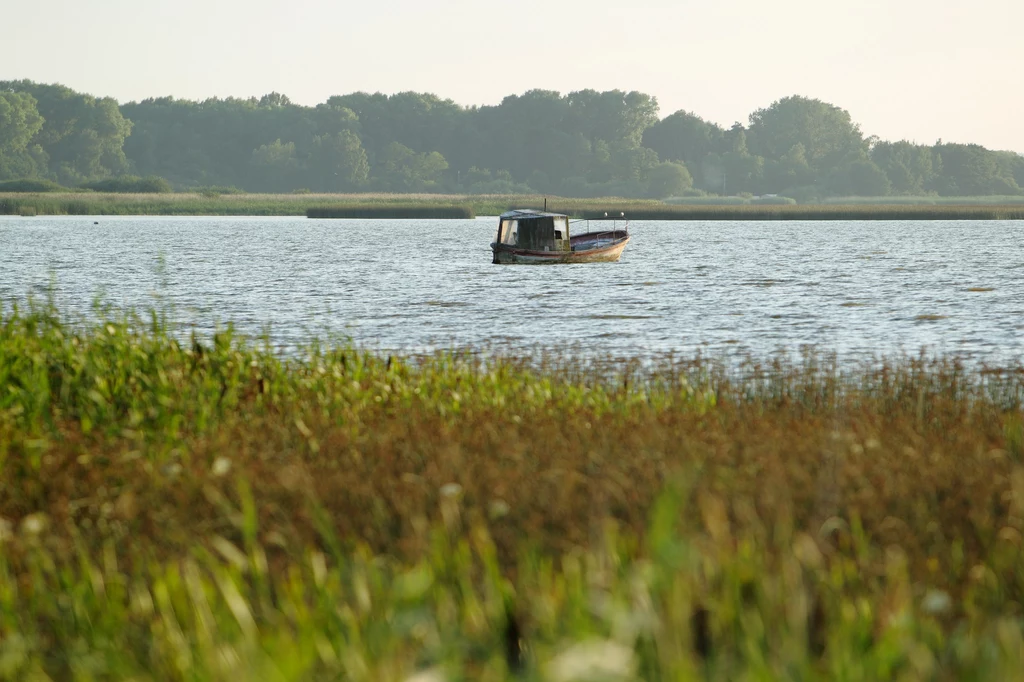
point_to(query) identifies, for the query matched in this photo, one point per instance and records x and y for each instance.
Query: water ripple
(856, 288)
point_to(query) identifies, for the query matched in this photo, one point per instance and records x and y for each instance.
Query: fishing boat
(528, 236)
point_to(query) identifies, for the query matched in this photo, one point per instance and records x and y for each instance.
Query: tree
(792, 170)
(828, 135)
(273, 166)
(910, 168)
(632, 164)
(422, 122)
(860, 178)
(585, 143)
(403, 170)
(82, 137)
(1016, 164)
(337, 163)
(683, 137)
(274, 99)
(527, 133)
(970, 169)
(613, 116)
(742, 172)
(482, 181)
(668, 179)
(19, 123)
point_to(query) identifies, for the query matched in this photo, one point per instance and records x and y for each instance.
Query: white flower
(936, 602)
(593, 661)
(221, 466)
(451, 490)
(33, 524)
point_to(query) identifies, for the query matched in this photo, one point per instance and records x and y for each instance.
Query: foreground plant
(180, 508)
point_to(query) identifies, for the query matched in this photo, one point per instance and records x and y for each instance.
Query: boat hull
(596, 247)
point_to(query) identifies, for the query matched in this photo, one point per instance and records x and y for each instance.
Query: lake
(858, 288)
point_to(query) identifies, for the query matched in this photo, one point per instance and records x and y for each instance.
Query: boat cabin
(534, 230)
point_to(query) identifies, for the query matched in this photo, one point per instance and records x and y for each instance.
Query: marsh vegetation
(204, 508)
(223, 201)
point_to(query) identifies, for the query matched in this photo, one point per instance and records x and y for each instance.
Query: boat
(529, 236)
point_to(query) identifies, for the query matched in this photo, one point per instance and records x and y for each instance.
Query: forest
(581, 144)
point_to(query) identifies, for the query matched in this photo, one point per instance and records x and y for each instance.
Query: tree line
(584, 143)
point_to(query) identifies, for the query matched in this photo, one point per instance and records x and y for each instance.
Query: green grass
(198, 509)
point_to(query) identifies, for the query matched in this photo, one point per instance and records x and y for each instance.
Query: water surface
(859, 288)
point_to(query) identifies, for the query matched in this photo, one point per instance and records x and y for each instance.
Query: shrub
(706, 200)
(214, 191)
(31, 185)
(131, 184)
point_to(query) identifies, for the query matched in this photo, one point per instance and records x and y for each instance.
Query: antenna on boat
(545, 204)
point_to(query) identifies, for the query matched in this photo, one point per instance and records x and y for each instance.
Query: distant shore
(413, 206)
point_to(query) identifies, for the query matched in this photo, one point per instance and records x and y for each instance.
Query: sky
(920, 70)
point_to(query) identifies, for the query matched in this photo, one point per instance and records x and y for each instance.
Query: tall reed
(210, 202)
(203, 508)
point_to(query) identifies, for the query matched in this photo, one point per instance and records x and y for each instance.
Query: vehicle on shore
(535, 237)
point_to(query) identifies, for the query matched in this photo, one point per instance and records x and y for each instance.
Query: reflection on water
(857, 288)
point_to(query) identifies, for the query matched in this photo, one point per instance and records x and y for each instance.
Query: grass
(419, 211)
(1005, 200)
(206, 509)
(211, 202)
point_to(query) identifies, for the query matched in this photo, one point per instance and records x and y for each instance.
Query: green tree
(733, 169)
(528, 133)
(971, 170)
(337, 163)
(274, 99)
(614, 116)
(602, 167)
(274, 166)
(792, 170)
(422, 122)
(683, 136)
(403, 170)
(860, 178)
(19, 123)
(910, 168)
(82, 136)
(632, 163)
(1017, 168)
(828, 135)
(668, 179)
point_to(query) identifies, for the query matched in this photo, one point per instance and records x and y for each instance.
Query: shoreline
(423, 206)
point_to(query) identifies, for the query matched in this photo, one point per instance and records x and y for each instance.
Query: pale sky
(904, 69)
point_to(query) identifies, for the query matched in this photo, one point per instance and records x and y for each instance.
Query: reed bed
(400, 212)
(213, 203)
(996, 200)
(865, 211)
(208, 509)
(453, 205)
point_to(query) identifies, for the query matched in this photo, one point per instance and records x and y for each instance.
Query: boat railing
(617, 223)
